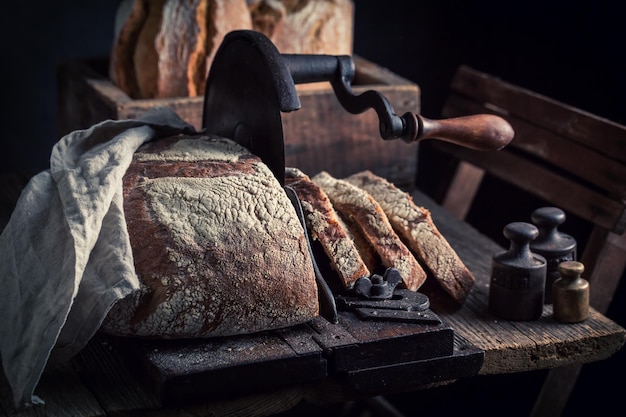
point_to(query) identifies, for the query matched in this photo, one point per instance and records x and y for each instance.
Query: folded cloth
(65, 255)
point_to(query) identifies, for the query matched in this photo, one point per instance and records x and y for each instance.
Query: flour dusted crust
(164, 48)
(130, 18)
(180, 45)
(217, 245)
(414, 224)
(306, 26)
(358, 205)
(327, 227)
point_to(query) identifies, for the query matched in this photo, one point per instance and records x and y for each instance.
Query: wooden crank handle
(484, 132)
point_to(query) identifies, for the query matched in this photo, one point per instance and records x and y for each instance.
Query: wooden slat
(607, 273)
(596, 168)
(463, 189)
(104, 373)
(64, 396)
(605, 136)
(540, 181)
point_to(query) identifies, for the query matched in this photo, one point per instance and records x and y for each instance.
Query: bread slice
(415, 225)
(358, 205)
(326, 226)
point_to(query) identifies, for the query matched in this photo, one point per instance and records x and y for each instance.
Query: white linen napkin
(65, 255)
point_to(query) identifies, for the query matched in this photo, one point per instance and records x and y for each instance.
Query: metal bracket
(376, 298)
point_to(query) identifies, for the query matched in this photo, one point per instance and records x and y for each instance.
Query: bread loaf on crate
(165, 48)
(217, 244)
(306, 26)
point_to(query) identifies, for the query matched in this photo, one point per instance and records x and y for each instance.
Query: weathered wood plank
(590, 130)
(586, 202)
(606, 172)
(104, 373)
(64, 396)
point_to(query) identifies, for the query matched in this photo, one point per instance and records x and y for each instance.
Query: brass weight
(570, 293)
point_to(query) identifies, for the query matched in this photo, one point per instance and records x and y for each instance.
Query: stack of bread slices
(365, 224)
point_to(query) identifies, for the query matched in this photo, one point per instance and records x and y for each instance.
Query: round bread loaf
(217, 244)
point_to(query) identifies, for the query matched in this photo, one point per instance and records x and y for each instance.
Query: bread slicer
(248, 87)
(250, 83)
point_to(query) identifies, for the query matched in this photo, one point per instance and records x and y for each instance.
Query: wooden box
(319, 136)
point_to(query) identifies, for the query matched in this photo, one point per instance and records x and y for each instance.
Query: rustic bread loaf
(415, 225)
(306, 26)
(130, 18)
(164, 48)
(325, 226)
(180, 44)
(358, 205)
(224, 16)
(217, 244)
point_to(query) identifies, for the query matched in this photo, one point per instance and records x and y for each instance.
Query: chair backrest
(570, 158)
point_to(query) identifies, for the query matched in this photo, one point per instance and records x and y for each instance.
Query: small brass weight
(570, 293)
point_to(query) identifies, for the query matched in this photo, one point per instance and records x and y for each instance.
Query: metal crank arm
(483, 132)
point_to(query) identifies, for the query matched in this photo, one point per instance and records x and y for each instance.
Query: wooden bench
(562, 155)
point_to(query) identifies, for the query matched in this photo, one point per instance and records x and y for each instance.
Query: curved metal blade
(247, 88)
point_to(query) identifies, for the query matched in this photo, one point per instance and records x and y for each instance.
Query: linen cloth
(65, 255)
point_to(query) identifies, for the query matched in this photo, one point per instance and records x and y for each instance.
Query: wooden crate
(319, 136)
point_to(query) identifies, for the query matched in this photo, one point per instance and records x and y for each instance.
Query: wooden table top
(100, 382)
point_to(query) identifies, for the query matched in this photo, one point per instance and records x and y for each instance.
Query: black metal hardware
(377, 298)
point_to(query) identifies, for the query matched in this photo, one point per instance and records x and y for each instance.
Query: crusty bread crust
(165, 48)
(357, 204)
(415, 225)
(223, 17)
(306, 26)
(217, 245)
(325, 226)
(130, 19)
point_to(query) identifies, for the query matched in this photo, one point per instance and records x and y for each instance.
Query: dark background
(570, 51)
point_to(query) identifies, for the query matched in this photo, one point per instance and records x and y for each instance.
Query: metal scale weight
(375, 339)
